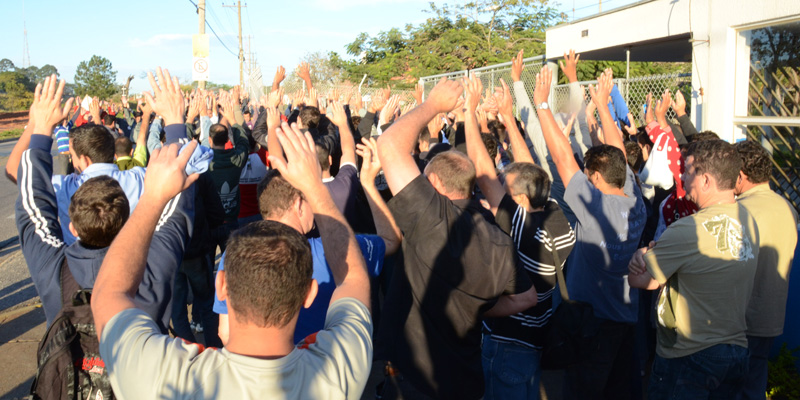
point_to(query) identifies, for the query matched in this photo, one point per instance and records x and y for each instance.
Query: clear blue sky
(140, 35)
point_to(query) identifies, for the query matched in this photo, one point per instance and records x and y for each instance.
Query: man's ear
(72, 229)
(220, 285)
(312, 294)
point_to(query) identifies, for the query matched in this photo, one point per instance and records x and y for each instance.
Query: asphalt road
(16, 287)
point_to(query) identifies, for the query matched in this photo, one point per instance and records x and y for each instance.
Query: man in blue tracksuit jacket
(43, 244)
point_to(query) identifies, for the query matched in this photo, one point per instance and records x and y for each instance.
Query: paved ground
(21, 319)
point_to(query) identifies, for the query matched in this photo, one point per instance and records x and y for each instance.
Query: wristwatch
(543, 106)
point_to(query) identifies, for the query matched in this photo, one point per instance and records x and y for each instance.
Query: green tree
(456, 37)
(16, 91)
(96, 78)
(7, 65)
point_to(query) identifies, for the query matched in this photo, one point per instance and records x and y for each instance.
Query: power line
(220, 24)
(214, 32)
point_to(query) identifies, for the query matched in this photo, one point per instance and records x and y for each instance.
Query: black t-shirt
(534, 235)
(456, 265)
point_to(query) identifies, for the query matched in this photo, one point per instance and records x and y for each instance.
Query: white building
(714, 35)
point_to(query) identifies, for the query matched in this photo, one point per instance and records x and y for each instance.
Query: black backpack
(69, 363)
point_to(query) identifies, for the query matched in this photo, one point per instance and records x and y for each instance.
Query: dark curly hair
(756, 162)
(718, 159)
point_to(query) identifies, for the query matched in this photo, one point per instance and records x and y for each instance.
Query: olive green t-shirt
(706, 264)
(777, 223)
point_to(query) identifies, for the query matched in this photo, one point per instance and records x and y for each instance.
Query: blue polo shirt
(312, 319)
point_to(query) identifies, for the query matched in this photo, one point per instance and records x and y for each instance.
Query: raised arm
(124, 267)
(385, 225)
(518, 147)
(339, 118)
(304, 73)
(600, 95)
(397, 143)
(301, 169)
(37, 209)
(687, 126)
(558, 145)
(476, 150)
(528, 115)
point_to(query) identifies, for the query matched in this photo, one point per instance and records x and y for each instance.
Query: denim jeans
(510, 371)
(717, 372)
(755, 383)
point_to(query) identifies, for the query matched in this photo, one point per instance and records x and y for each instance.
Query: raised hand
(570, 65)
(662, 107)
(516, 67)
(601, 92)
(489, 105)
(436, 125)
(387, 92)
(194, 108)
(280, 75)
(304, 73)
(483, 120)
(473, 87)
(147, 111)
(542, 90)
(46, 111)
(94, 110)
(167, 99)
(300, 167)
(166, 172)
(273, 119)
(568, 127)
(648, 114)
(312, 100)
(444, 97)
(337, 115)
(228, 104)
(378, 102)
(680, 104)
(419, 89)
(505, 102)
(299, 98)
(372, 164)
(347, 95)
(274, 98)
(389, 111)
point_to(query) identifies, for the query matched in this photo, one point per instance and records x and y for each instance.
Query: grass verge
(11, 134)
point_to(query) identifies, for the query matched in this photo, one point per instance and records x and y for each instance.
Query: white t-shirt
(143, 364)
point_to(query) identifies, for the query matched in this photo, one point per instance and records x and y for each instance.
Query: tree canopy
(96, 78)
(455, 37)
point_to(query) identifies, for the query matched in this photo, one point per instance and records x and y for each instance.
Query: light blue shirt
(132, 182)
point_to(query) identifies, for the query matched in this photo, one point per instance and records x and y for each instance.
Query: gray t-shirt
(143, 364)
(608, 231)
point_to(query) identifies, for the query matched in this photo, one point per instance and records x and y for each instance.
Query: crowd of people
(320, 239)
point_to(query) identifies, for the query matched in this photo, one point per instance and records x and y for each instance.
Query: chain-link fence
(634, 90)
(324, 90)
(490, 75)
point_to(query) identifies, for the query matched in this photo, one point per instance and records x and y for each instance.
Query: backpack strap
(562, 283)
(68, 284)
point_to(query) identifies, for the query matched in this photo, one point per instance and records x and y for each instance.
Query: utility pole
(241, 50)
(201, 12)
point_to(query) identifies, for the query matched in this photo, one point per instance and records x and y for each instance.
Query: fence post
(627, 73)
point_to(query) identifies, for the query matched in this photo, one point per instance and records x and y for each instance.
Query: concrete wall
(720, 48)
